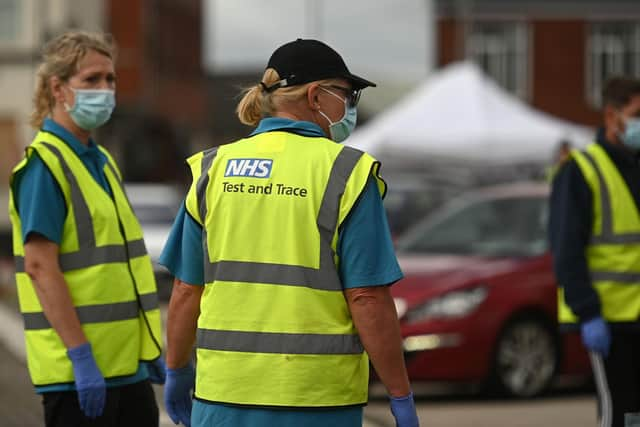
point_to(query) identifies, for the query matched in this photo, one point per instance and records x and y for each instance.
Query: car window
(155, 214)
(495, 227)
(154, 204)
(404, 208)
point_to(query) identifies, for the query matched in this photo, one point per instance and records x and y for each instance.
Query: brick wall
(160, 63)
(557, 65)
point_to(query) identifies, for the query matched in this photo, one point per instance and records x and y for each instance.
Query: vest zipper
(133, 277)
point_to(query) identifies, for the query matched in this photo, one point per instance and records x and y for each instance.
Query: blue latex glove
(157, 371)
(90, 384)
(404, 411)
(177, 394)
(596, 336)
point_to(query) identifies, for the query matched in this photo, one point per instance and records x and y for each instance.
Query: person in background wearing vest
(286, 231)
(85, 282)
(594, 231)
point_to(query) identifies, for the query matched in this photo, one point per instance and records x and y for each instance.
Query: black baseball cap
(306, 60)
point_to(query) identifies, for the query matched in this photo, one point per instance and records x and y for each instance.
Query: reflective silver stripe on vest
(326, 276)
(149, 301)
(279, 343)
(254, 272)
(88, 254)
(615, 276)
(607, 236)
(88, 257)
(620, 239)
(327, 221)
(201, 196)
(203, 181)
(98, 313)
(115, 174)
(84, 223)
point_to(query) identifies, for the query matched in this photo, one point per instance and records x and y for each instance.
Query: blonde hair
(60, 58)
(257, 103)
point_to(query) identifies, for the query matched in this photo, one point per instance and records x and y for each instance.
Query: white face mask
(92, 107)
(340, 130)
(631, 135)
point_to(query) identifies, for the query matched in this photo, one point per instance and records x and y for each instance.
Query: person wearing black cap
(283, 262)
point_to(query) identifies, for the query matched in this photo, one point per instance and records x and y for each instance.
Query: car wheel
(525, 358)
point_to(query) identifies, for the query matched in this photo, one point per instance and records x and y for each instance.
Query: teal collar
(303, 128)
(78, 147)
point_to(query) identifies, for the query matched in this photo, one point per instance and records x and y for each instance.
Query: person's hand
(404, 411)
(157, 371)
(596, 336)
(90, 384)
(177, 394)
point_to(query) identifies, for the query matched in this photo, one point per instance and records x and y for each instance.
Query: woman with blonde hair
(283, 262)
(85, 282)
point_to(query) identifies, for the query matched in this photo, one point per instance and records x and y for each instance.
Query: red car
(478, 301)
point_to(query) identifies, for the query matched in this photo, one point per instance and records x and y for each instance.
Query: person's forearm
(41, 263)
(184, 309)
(375, 317)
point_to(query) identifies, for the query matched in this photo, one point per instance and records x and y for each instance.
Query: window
(613, 48)
(9, 20)
(510, 226)
(501, 49)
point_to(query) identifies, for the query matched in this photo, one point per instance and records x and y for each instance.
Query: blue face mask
(631, 135)
(92, 107)
(340, 130)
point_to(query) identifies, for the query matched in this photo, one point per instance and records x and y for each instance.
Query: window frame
(519, 52)
(629, 47)
(16, 21)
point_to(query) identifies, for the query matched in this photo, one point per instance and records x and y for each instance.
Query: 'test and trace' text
(271, 188)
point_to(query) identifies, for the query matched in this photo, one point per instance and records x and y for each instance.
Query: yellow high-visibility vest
(105, 265)
(613, 254)
(274, 326)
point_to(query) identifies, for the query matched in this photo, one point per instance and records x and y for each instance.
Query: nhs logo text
(257, 168)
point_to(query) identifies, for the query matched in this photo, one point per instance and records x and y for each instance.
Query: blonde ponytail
(257, 103)
(42, 100)
(251, 108)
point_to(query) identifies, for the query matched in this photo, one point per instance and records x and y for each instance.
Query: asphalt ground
(20, 406)
(437, 406)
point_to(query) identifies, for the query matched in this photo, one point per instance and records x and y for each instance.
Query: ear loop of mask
(340, 130)
(65, 104)
(327, 117)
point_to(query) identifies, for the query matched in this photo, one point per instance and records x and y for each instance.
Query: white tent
(461, 115)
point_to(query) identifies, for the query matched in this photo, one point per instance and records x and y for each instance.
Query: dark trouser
(128, 405)
(617, 378)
